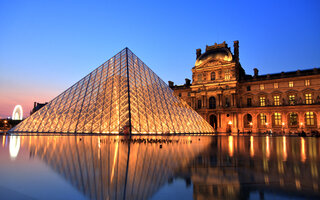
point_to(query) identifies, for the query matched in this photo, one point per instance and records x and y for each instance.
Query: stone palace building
(231, 100)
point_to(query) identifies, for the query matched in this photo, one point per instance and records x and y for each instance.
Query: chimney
(188, 81)
(170, 84)
(256, 72)
(236, 50)
(315, 70)
(198, 53)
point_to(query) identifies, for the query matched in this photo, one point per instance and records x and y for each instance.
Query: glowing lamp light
(282, 123)
(17, 113)
(250, 123)
(301, 123)
(267, 123)
(230, 122)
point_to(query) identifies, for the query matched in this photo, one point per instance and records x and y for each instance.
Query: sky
(47, 46)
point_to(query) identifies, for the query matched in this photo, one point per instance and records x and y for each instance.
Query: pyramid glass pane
(123, 95)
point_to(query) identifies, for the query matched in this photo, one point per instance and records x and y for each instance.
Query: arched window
(262, 120)
(247, 121)
(213, 76)
(310, 119)
(277, 119)
(212, 103)
(293, 119)
(213, 121)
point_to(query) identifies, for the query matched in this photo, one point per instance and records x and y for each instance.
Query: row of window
(277, 119)
(276, 100)
(262, 101)
(227, 76)
(276, 85)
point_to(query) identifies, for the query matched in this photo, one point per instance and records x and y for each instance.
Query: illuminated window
(199, 77)
(277, 119)
(308, 99)
(293, 119)
(276, 100)
(249, 102)
(213, 76)
(261, 86)
(227, 75)
(276, 85)
(306, 82)
(262, 101)
(199, 104)
(290, 83)
(292, 99)
(309, 119)
(263, 119)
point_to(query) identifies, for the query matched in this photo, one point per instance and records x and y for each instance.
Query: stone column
(301, 119)
(318, 119)
(232, 100)
(285, 121)
(269, 121)
(254, 123)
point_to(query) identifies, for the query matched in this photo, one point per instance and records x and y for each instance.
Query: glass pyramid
(123, 95)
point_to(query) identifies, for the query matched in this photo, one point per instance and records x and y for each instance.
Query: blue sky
(46, 46)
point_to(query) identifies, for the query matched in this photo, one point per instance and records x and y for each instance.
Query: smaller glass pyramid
(123, 95)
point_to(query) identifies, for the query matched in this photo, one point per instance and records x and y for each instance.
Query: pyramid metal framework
(123, 95)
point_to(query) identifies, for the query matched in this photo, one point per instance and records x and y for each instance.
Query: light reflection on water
(116, 167)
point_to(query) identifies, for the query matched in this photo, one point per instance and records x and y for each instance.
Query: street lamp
(250, 127)
(283, 127)
(301, 126)
(267, 127)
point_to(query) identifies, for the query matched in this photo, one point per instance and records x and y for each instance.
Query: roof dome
(220, 54)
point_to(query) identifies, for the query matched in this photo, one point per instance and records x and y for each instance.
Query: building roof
(290, 74)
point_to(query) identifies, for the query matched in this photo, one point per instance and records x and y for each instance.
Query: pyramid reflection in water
(110, 167)
(121, 96)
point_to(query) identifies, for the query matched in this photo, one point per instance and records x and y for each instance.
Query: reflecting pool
(159, 167)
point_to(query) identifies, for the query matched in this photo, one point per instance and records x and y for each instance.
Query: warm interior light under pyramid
(123, 95)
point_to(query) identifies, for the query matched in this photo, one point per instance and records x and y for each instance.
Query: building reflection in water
(286, 166)
(226, 167)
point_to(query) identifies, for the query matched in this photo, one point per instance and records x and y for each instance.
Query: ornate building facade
(232, 101)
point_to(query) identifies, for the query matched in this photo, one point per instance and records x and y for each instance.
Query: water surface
(167, 167)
